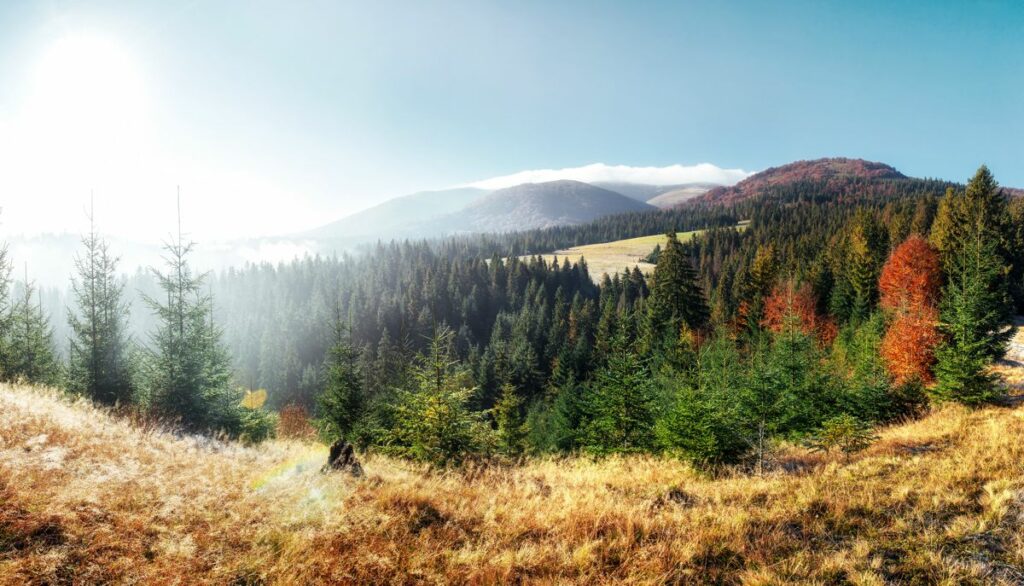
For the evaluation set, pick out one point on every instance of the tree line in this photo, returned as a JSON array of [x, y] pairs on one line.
[[825, 313]]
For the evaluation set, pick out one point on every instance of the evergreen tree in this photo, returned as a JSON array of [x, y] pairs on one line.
[[433, 421], [340, 403], [98, 352], [975, 318], [187, 370], [6, 314], [621, 403], [32, 355], [512, 430], [676, 298]]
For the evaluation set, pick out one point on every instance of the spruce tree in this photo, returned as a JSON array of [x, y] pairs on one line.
[[976, 310], [340, 403], [6, 314], [676, 298], [621, 403], [188, 371], [975, 319], [32, 355], [98, 351]]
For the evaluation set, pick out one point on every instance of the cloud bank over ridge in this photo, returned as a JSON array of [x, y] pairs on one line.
[[600, 172]]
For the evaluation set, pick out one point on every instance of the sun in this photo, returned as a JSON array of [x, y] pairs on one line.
[[86, 90]]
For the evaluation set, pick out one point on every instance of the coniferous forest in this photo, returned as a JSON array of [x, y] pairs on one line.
[[811, 313]]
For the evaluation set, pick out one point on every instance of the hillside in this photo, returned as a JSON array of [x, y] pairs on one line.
[[392, 217], [88, 498], [536, 205], [831, 177], [609, 258]]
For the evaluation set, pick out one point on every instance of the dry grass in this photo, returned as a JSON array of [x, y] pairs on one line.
[[86, 498], [609, 258]]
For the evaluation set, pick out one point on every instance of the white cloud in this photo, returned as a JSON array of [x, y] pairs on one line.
[[600, 172]]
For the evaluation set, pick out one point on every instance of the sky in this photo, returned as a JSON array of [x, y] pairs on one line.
[[274, 117]]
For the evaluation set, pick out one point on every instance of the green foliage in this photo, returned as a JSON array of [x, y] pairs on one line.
[[512, 430], [702, 422], [187, 372], [620, 404], [339, 405], [99, 365], [31, 355], [433, 421], [843, 432], [676, 297], [975, 314], [865, 390]]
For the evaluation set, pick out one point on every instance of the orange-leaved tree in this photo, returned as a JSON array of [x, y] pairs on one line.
[[909, 285], [912, 276], [789, 299]]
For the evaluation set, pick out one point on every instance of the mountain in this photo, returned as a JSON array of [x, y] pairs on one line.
[[833, 176], [638, 191], [682, 193], [536, 205], [661, 196], [394, 216]]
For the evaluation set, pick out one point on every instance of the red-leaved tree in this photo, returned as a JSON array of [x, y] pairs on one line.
[[912, 276], [788, 299], [909, 346], [910, 283]]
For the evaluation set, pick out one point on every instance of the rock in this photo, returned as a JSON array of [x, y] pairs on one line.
[[343, 457]]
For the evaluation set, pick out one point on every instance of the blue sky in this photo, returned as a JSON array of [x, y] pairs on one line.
[[293, 113]]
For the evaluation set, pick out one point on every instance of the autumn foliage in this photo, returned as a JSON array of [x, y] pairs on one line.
[[912, 277], [798, 301], [909, 288], [294, 423]]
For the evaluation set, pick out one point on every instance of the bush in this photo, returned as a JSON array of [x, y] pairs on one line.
[[843, 432]]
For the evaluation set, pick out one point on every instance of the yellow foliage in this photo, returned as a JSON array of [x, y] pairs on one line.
[[254, 399]]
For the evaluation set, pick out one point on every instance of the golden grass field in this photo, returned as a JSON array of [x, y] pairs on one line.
[[609, 258], [89, 498]]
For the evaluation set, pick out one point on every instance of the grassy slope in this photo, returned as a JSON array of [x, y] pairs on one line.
[[88, 498], [612, 257]]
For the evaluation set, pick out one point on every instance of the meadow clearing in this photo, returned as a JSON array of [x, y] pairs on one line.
[[87, 497]]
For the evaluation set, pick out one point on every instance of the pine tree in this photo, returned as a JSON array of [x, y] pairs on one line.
[[976, 310], [676, 298], [98, 351], [32, 355], [340, 402], [975, 319], [621, 403], [512, 430], [6, 314], [187, 370]]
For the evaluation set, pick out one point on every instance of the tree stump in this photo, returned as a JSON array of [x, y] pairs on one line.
[[343, 457]]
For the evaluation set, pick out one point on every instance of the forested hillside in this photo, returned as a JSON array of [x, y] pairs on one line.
[[793, 327]]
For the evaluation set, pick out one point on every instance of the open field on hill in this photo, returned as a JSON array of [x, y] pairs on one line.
[[612, 257], [89, 498]]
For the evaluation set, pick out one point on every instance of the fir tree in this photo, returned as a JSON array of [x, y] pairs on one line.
[[187, 370], [676, 298], [98, 352], [340, 403], [621, 403], [32, 355]]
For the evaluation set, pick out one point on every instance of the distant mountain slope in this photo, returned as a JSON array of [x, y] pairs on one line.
[[536, 205], [638, 191], [835, 176], [682, 193], [395, 215]]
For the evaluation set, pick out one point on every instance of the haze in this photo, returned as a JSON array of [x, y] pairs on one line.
[[277, 117]]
